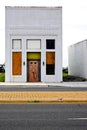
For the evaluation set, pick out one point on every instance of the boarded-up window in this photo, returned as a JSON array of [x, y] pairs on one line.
[[50, 57], [16, 63], [50, 63]]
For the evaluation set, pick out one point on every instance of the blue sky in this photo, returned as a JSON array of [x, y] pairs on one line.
[[74, 21]]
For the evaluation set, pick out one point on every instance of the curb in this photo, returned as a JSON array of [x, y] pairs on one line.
[[44, 102]]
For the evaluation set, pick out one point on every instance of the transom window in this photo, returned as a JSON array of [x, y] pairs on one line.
[[33, 44], [17, 44], [50, 44]]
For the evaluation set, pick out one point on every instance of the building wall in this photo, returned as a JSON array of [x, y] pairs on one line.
[[77, 59], [34, 23]]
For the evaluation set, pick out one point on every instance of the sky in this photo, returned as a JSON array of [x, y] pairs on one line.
[[74, 21]]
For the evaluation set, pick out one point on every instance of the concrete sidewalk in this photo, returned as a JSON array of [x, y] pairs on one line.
[[40, 84]]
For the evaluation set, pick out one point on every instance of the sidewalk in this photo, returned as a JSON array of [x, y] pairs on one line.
[[62, 84], [70, 84]]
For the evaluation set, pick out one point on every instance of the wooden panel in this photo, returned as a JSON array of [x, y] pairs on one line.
[[16, 63], [50, 58]]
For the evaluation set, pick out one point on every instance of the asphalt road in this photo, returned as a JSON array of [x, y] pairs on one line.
[[33, 88], [43, 117]]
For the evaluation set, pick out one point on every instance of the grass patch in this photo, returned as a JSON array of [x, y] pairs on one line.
[[2, 77], [65, 74]]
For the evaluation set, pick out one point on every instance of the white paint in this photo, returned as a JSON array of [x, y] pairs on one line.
[[77, 118], [78, 59], [34, 23]]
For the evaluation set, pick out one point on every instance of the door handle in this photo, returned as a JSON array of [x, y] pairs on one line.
[[23, 62], [43, 63]]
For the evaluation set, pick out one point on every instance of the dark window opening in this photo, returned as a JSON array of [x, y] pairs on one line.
[[50, 44], [50, 69]]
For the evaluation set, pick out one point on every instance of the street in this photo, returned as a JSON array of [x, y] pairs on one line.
[[34, 88], [43, 117]]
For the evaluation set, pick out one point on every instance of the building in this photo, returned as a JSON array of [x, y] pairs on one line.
[[33, 44], [78, 59]]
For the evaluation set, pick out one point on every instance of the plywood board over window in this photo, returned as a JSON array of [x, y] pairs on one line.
[[16, 63], [50, 63], [50, 57]]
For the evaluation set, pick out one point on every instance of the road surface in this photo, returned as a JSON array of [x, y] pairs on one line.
[[43, 117], [33, 88]]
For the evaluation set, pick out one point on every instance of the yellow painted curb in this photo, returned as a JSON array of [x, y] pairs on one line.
[[43, 97]]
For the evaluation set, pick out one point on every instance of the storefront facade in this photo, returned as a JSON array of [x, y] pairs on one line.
[[33, 44]]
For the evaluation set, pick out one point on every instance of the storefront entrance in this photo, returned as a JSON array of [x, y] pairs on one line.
[[33, 67]]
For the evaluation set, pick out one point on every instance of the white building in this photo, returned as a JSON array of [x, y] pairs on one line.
[[78, 59], [33, 44]]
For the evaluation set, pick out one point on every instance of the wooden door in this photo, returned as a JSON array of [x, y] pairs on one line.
[[33, 71]]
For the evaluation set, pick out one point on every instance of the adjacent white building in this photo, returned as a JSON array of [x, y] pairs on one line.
[[78, 59], [33, 44]]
